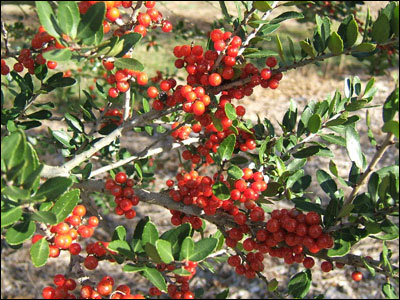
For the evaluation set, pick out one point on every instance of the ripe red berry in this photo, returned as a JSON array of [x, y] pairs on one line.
[[51, 64], [271, 62], [308, 262], [357, 276], [113, 92], [48, 292], [215, 79], [121, 177], [326, 266], [79, 210], [91, 262]]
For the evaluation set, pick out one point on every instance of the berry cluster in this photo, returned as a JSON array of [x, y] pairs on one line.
[[180, 289], [179, 218], [68, 231], [103, 289], [26, 60], [125, 198], [286, 235], [63, 287], [182, 133]]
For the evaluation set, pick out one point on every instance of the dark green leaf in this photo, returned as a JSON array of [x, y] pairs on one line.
[[299, 284], [351, 33], [381, 29], [62, 136], [341, 248], [20, 233], [203, 248], [40, 115], [92, 21], [327, 183], [119, 233], [286, 15], [307, 48], [74, 122], [46, 217], [54, 187], [156, 278], [261, 54], [223, 295], [314, 123], [66, 203]]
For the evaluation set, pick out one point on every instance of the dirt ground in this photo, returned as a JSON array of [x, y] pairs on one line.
[[20, 279]]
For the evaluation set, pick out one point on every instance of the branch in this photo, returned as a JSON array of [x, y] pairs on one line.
[[363, 178], [355, 261], [256, 30], [127, 104], [63, 171], [149, 151]]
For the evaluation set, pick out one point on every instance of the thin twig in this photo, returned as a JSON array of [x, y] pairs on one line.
[[363, 178]]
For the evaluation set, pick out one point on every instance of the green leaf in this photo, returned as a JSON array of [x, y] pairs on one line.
[[225, 11], [305, 205], [187, 249], [351, 33], [364, 47], [66, 204], [335, 43], [176, 237], [307, 48], [40, 253], [261, 54], [16, 194], [391, 126], [58, 54], [40, 115], [128, 63], [68, 17], [225, 149], [334, 139], [314, 123], [327, 183], [388, 290], [341, 248], [286, 16], [47, 18], [353, 146], [129, 41], [150, 233], [369, 267], [164, 250], [235, 172], [181, 272], [279, 47], [395, 20], [230, 111], [300, 284], [13, 148], [46, 217], [10, 216], [54, 187], [146, 105], [381, 29], [62, 136], [20, 233], [92, 21], [391, 106], [74, 123], [203, 248], [221, 191], [133, 268], [122, 247], [119, 233], [263, 6], [155, 277]]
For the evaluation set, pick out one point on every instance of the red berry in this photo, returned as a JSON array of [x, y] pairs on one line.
[[91, 262], [121, 177], [48, 292], [271, 62], [326, 266], [357, 276]]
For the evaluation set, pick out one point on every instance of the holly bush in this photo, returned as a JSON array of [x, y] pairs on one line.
[[233, 172]]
